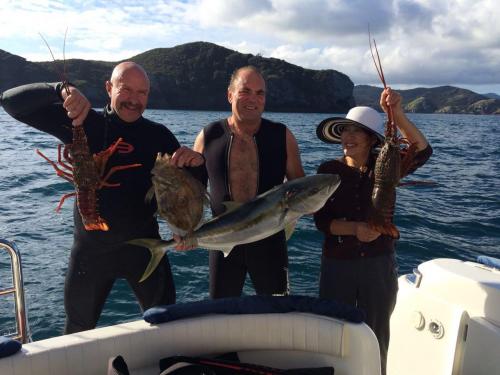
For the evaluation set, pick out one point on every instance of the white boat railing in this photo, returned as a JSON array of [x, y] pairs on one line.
[[17, 289]]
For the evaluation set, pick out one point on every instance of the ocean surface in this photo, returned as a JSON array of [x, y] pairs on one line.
[[457, 218]]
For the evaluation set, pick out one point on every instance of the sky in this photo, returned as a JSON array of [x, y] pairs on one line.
[[422, 43]]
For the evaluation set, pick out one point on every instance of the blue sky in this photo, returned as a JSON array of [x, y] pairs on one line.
[[421, 42]]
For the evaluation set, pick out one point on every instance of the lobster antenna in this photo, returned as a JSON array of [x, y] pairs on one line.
[[382, 77], [63, 74], [64, 62], [378, 64], [47, 44]]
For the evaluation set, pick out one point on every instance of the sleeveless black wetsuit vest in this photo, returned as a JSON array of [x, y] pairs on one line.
[[266, 260], [271, 146]]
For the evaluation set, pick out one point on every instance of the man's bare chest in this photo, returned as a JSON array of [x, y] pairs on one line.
[[243, 168]]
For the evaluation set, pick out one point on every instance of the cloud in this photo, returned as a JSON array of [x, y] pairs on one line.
[[412, 15], [227, 12], [425, 41], [288, 20], [97, 27], [421, 41]]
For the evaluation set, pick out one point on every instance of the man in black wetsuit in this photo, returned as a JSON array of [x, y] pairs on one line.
[[247, 155], [98, 258]]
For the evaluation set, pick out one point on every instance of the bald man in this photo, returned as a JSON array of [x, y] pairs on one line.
[[98, 258]]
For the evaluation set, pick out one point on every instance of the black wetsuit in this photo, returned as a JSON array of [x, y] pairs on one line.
[[97, 257], [266, 260]]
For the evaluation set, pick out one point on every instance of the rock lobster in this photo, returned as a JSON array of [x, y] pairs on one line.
[[85, 171], [77, 165], [393, 162]]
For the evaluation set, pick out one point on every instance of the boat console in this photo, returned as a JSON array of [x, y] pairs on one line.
[[447, 320]]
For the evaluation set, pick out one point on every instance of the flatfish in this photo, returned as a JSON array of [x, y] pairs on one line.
[[180, 197]]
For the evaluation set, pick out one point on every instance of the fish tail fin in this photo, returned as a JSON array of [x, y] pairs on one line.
[[207, 198], [157, 247], [289, 229], [149, 195], [226, 251]]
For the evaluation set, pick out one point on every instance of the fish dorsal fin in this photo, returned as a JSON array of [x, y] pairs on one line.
[[231, 206]]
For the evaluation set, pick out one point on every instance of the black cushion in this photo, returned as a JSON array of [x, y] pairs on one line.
[[8, 346], [254, 305]]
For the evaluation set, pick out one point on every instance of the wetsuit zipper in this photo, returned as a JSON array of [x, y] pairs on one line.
[[228, 166], [258, 166]]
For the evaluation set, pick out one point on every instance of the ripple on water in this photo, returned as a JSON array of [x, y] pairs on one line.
[[457, 218]]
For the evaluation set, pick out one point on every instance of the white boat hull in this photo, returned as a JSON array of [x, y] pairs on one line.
[[447, 321], [291, 340]]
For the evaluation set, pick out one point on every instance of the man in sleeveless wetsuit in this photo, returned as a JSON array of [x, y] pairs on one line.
[[100, 257], [247, 155]]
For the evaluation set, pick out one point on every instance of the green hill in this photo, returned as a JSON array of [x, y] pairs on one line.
[[443, 99], [15, 70], [195, 76]]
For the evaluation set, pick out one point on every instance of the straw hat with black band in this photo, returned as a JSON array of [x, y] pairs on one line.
[[366, 118]]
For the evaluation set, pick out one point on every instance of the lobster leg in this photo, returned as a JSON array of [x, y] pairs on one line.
[[102, 157], [63, 156], [63, 198], [67, 176], [113, 170]]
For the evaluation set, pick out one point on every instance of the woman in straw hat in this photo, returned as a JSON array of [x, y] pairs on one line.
[[358, 265]]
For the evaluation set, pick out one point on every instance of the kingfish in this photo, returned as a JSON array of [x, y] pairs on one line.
[[261, 217]]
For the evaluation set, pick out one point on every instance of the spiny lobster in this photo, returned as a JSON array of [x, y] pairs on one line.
[[392, 163], [85, 171]]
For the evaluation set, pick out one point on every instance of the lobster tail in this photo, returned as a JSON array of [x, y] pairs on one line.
[[87, 205], [388, 229], [99, 224]]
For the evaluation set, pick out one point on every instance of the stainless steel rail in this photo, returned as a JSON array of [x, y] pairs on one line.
[[17, 289]]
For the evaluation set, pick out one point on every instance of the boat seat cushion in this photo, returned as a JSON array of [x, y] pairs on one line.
[[254, 305], [8, 346]]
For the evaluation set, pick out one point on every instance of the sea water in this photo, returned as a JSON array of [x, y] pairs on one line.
[[458, 217]]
